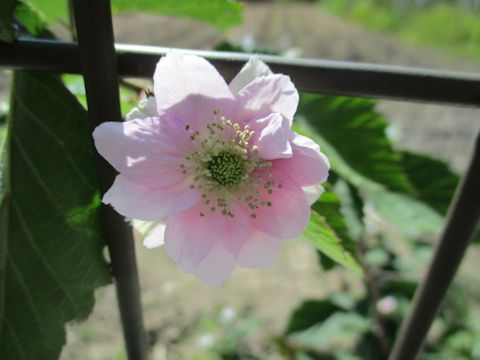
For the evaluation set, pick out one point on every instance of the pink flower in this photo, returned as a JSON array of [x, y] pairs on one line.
[[216, 165]]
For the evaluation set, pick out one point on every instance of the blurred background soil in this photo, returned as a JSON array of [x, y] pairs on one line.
[[182, 314]]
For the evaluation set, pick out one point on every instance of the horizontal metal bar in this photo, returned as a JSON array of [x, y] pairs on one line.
[[317, 76]]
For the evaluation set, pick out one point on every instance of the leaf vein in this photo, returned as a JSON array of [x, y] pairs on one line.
[[49, 132], [40, 255]]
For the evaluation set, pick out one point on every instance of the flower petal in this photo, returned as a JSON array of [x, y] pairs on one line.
[[190, 237], [289, 211], [152, 231], [179, 76], [272, 141], [267, 94], [217, 266], [313, 192], [146, 108], [148, 151], [260, 250], [308, 165], [137, 201], [253, 69]]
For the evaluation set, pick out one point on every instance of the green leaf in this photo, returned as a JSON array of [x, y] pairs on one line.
[[49, 10], [325, 262], [433, 180], [220, 13], [338, 329], [51, 232], [327, 231], [352, 135], [34, 23], [411, 216], [7, 8], [310, 313], [351, 207]]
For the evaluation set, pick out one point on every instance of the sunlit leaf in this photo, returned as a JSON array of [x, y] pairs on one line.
[[50, 10], [29, 17], [51, 233], [220, 13], [352, 135], [327, 231]]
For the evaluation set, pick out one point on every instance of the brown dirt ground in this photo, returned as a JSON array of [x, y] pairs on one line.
[[173, 301]]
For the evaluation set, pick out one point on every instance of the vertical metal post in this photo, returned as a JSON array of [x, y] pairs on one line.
[[99, 66], [462, 221]]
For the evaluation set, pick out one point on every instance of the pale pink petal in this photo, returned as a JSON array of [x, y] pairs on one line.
[[148, 151], [137, 201], [271, 138], [260, 250], [313, 192], [253, 69], [289, 212], [196, 111], [308, 165], [146, 108], [267, 94], [179, 76], [152, 232], [190, 237], [217, 266]]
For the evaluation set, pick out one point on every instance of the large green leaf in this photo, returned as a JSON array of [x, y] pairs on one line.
[[327, 231], [432, 178], [220, 13], [7, 8], [435, 183], [352, 135], [51, 233]]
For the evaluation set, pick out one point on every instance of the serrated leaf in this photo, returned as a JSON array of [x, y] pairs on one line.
[[352, 135], [51, 232], [220, 13], [327, 231], [432, 178], [7, 8]]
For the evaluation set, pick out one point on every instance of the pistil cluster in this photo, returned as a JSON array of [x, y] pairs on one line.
[[226, 167]]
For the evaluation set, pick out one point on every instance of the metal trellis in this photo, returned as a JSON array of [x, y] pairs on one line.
[[100, 61]]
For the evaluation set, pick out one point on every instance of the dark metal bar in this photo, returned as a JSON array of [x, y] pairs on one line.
[[318, 76], [462, 221], [97, 57]]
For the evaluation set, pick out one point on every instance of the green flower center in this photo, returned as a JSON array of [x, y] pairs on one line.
[[226, 169]]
